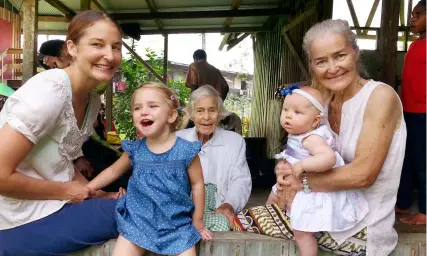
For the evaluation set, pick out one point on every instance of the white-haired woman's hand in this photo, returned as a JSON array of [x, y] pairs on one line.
[[283, 170], [287, 183]]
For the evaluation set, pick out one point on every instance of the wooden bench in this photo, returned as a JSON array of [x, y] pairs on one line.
[[247, 244]]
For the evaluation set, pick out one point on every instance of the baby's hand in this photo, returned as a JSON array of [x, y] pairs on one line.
[[297, 169], [204, 232]]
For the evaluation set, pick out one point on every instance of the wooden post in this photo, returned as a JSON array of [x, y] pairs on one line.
[[353, 16], [371, 15], [387, 42], [109, 106], [165, 59], [85, 5], [408, 20], [325, 8], [30, 10]]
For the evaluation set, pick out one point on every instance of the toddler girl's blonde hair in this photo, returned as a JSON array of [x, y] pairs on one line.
[[171, 98]]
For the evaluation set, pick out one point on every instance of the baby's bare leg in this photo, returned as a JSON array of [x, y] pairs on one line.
[[125, 247], [189, 252], [307, 243]]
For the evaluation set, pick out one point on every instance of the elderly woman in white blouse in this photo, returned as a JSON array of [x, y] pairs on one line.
[[223, 157]]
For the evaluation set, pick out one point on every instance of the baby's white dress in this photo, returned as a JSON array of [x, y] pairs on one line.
[[322, 211]]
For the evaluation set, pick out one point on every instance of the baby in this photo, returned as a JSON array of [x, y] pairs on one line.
[[310, 148]]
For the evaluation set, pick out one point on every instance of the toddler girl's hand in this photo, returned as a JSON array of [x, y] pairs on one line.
[[111, 195], [204, 232], [121, 192]]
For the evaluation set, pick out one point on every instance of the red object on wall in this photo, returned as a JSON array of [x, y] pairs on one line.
[[6, 29]]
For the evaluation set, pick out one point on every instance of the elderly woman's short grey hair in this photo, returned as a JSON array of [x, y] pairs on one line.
[[206, 91]]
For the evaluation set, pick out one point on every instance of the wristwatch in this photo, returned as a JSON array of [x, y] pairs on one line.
[[305, 186]]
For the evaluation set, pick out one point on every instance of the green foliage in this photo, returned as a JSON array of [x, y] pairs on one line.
[[246, 121], [243, 76], [135, 74], [241, 105], [181, 90]]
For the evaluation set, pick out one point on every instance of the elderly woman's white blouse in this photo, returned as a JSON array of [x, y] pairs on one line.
[[42, 111], [224, 164]]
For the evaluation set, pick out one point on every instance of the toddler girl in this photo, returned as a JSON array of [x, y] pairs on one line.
[[157, 213]]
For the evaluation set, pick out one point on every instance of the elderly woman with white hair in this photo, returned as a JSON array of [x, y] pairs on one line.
[[366, 120], [223, 157]]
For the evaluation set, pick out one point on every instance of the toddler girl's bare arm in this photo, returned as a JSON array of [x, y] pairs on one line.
[[112, 173]]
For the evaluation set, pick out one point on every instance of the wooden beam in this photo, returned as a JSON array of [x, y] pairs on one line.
[[179, 30], [325, 9], [236, 41], [143, 62], [153, 9], [204, 30], [199, 14], [402, 13], [84, 5], [61, 7], [371, 15], [408, 20], [224, 41], [30, 10], [96, 5], [353, 15], [299, 19], [387, 42], [365, 28], [165, 59], [297, 57], [52, 32], [234, 6], [375, 37], [54, 18], [409, 14]]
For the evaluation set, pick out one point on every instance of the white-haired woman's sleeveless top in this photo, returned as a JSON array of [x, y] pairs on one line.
[[381, 196]]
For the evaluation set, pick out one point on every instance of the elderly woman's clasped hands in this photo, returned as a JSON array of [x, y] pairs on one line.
[[286, 182]]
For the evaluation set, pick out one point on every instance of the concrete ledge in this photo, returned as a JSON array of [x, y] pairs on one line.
[[247, 244]]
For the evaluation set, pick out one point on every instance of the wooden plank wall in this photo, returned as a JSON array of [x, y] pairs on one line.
[[16, 20], [275, 65]]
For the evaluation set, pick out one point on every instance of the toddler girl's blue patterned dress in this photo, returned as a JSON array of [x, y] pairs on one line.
[[156, 213]]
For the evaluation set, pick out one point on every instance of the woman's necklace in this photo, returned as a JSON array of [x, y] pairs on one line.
[[336, 110]]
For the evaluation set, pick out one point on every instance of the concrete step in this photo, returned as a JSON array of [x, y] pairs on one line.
[[247, 244]]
